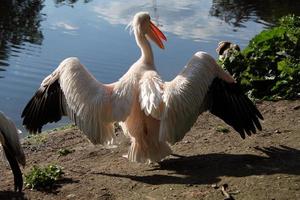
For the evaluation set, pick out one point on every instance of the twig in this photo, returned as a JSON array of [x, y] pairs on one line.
[[224, 187]]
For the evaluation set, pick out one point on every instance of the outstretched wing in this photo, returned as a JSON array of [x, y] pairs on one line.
[[12, 148], [184, 95], [71, 90], [194, 91], [228, 102]]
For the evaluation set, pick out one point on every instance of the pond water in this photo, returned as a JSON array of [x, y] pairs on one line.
[[36, 35]]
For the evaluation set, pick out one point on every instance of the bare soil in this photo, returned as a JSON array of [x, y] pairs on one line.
[[263, 166]]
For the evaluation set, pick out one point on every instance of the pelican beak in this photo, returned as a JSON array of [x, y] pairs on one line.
[[156, 35]]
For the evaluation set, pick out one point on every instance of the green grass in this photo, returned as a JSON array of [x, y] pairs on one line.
[[62, 128], [37, 139]]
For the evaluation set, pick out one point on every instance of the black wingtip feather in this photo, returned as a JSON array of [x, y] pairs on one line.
[[235, 108], [45, 106]]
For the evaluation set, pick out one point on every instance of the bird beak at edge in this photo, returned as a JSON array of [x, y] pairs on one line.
[[156, 35]]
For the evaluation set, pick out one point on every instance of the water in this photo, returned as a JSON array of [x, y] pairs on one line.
[[35, 36]]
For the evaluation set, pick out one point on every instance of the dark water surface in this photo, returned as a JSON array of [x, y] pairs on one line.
[[36, 35]]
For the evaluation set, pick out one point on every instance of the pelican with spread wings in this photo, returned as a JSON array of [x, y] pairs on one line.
[[152, 112]]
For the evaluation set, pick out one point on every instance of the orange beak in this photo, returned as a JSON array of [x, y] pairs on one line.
[[156, 35]]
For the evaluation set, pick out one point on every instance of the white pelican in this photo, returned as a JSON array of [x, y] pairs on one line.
[[152, 112], [9, 138]]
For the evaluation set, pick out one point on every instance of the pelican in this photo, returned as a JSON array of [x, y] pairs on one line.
[[13, 151], [153, 113]]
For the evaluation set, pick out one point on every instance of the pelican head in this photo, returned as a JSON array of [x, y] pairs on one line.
[[143, 26]]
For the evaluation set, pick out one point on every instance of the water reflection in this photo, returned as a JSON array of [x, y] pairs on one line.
[[35, 35], [19, 22], [187, 19], [191, 19], [237, 12], [69, 2]]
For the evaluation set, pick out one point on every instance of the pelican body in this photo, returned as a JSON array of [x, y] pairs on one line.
[[152, 112], [13, 151]]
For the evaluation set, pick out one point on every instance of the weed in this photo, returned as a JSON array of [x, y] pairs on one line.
[[42, 177], [222, 129], [64, 151]]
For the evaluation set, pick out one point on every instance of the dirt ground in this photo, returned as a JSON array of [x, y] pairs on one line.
[[263, 166]]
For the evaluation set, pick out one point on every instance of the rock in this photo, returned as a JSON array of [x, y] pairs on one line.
[[71, 196]]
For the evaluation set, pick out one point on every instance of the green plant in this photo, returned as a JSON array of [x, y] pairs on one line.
[[270, 64], [42, 177], [64, 151], [222, 129]]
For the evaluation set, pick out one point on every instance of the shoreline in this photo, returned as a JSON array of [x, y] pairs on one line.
[[263, 166]]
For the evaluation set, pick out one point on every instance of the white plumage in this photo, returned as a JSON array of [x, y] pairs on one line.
[[184, 95], [152, 112]]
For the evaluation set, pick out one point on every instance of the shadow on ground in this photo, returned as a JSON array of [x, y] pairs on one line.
[[12, 195], [20, 195], [207, 169]]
